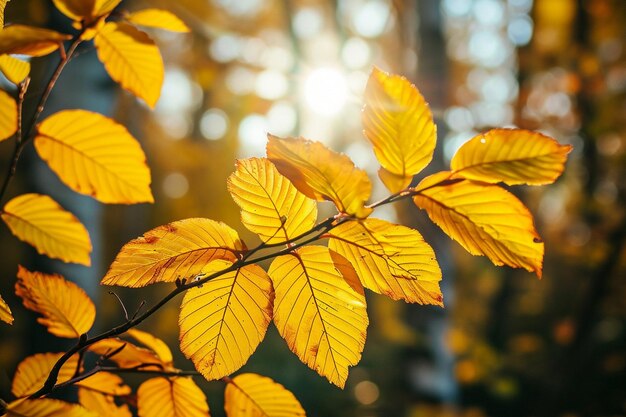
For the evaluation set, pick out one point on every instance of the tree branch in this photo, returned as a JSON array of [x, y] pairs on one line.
[[23, 136]]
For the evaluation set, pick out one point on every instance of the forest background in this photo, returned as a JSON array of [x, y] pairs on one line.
[[507, 343]]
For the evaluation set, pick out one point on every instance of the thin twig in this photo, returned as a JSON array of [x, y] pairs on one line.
[[121, 303], [25, 135]]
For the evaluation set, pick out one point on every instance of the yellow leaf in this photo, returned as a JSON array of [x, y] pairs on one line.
[[512, 156], [154, 344], [39, 221], [5, 312], [320, 310], [270, 205], [67, 311], [104, 383], [102, 7], [157, 18], [32, 372], [484, 219], [95, 155], [125, 354], [14, 69], [390, 259], [321, 174], [46, 407], [3, 4], [252, 395], [102, 405], [8, 116], [181, 249], [85, 9], [174, 397], [132, 59], [28, 40], [223, 322], [399, 123], [75, 9]]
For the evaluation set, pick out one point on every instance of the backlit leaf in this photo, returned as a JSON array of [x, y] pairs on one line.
[[512, 156], [321, 174], [5, 312], [105, 383], [67, 311], [95, 155], [39, 221], [320, 310], [75, 9], [85, 9], [32, 372], [222, 322], [181, 249], [173, 397], [15, 70], [153, 343], [46, 407], [390, 259], [3, 4], [8, 116], [399, 123], [126, 354], [102, 405], [132, 59], [270, 205], [28, 40], [484, 219], [157, 18], [252, 395]]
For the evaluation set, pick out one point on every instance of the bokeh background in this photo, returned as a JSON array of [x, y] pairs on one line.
[[507, 344]]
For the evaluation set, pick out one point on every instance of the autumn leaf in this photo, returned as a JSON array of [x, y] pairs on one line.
[[85, 9], [8, 116], [32, 372], [153, 343], [132, 59], [125, 354], [173, 397], [223, 322], [270, 205], [28, 40], [46, 407], [3, 5], [252, 395], [75, 9], [96, 156], [5, 312], [104, 383], [157, 18], [390, 259], [67, 311], [320, 310], [485, 219], [399, 123], [512, 156], [15, 70], [321, 174], [102, 7], [102, 405], [39, 221], [181, 249]]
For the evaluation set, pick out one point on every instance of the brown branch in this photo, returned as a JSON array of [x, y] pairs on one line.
[[23, 136]]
